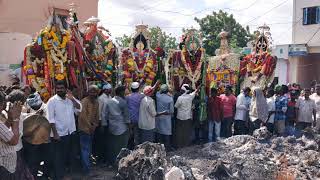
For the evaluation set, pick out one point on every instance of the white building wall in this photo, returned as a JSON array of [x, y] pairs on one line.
[[281, 71], [281, 51], [11, 53], [301, 34]]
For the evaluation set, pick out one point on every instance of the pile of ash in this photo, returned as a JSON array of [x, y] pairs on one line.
[[260, 156]]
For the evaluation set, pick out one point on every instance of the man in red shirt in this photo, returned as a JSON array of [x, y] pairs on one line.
[[229, 105], [215, 114]]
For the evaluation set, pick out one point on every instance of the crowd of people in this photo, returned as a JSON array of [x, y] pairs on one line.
[[96, 128]]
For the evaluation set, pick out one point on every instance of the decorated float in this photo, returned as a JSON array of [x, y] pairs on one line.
[[223, 69], [258, 68], [184, 66], [101, 52], [57, 53], [49, 58], [139, 62], [188, 66]]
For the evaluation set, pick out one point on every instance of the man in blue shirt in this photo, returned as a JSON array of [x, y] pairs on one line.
[[163, 122], [133, 101], [115, 115], [281, 104]]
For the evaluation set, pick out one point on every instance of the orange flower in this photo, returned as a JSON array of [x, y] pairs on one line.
[[59, 77]]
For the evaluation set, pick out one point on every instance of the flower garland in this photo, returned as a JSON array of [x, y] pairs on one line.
[[46, 59], [101, 52], [146, 73], [56, 51], [34, 75], [193, 76], [256, 69], [50, 38]]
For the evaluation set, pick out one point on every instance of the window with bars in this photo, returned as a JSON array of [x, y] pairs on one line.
[[311, 15]]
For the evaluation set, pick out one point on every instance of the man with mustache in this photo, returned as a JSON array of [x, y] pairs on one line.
[[61, 110], [88, 121]]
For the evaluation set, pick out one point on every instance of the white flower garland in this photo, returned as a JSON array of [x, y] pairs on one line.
[[192, 76]]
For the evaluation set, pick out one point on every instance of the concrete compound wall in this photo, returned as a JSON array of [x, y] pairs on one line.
[[304, 69]]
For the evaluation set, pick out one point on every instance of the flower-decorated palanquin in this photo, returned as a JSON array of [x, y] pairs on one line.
[[223, 68], [48, 57], [101, 52], [56, 54], [184, 66], [257, 68], [139, 62]]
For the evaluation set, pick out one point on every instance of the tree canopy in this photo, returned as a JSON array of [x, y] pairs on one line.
[[166, 40], [123, 41], [212, 25]]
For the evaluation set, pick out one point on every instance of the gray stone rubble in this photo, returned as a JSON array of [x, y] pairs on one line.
[[239, 157]]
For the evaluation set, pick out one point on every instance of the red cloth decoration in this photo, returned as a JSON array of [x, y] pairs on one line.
[[47, 76]]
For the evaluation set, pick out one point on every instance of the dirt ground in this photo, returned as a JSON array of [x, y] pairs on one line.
[[97, 173]]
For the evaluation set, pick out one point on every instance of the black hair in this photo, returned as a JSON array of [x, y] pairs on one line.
[[16, 95], [228, 87], [134, 90], [119, 90], [270, 91], [246, 89], [61, 83], [293, 92], [2, 97], [214, 90], [16, 83], [165, 92], [33, 90], [285, 89], [307, 89]]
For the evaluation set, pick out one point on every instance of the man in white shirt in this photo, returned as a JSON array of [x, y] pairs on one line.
[[316, 98], [147, 115], [99, 142], [22, 170], [104, 97], [305, 108], [271, 100], [242, 111], [184, 116], [61, 109]]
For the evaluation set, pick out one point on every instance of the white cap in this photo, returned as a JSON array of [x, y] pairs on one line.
[[106, 87], [135, 85]]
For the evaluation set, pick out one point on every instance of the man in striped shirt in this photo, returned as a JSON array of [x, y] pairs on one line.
[[8, 138]]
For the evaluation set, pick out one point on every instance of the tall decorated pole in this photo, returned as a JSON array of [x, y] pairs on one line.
[[203, 106], [160, 54]]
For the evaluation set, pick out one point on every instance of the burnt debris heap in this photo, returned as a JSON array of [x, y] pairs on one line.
[[260, 156]]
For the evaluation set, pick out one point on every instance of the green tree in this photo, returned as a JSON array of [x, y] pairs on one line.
[[123, 41], [159, 37], [212, 25]]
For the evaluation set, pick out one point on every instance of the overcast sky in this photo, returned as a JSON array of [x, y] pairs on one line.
[[121, 16]]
